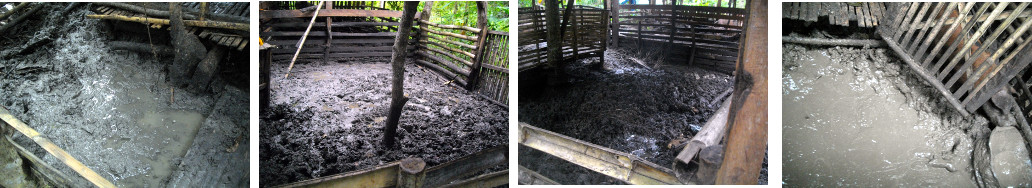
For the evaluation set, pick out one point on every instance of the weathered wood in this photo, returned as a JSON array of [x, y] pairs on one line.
[[478, 60], [378, 176], [449, 48], [329, 34], [444, 174], [552, 35], [710, 135], [166, 14], [447, 74], [619, 165], [20, 18], [412, 173], [161, 50], [450, 34], [14, 10], [268, 14], [467, 28], [192, 23], [398, 97], [54, 150], [207, 69], [747, 139], [449, 64], [529, 177], [834, 42]]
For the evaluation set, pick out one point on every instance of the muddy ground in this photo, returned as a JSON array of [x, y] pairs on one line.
[[115, 110], [861, 117], [627, 105], [327, 118]]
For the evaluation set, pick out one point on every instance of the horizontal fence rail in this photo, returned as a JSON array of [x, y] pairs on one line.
[[411, 173], [967, 51], [704, 36]]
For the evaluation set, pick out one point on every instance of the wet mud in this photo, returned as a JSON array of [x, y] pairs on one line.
[[328, 118], [113, 110], [861, 117], [625, 104]]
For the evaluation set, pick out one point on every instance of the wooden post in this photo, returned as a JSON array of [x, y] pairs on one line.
[[478, 60], [329, 34], [552, 37], [576, 34], [424, 34], [204, 11], [616, 23], [398, 97], [747, 140], [566, 20], [412, 171]]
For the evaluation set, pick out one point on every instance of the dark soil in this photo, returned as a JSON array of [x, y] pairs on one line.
[[328, 118], [625, 106]]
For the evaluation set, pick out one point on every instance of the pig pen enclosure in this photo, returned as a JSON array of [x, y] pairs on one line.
[[613, 92], [326, 94], [911, 94], [97, 94]]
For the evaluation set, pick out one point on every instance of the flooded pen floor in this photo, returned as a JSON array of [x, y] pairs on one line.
[[115, 110], [859, 117]]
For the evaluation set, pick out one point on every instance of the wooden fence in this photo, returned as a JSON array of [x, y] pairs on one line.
[[986, 41], [364, 30], [703, 36], [360, 31], [585, 35]]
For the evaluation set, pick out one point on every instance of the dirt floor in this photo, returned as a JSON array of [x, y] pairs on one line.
[[861, 117], [628, 105], [115, 110], [327, 118]]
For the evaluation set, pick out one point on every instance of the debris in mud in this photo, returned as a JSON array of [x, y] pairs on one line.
[[627, 107], [112, 109], [327, 118]]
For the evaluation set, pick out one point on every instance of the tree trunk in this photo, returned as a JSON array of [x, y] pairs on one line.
[[552, 28], [474, 71], [398, 98], [189, 50]]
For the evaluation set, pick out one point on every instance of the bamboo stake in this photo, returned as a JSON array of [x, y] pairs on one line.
[[303, 37], [61, 155], [13, 10], [192, 23]]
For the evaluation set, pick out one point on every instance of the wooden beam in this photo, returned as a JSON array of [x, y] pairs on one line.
[[301, 43], [615, 164], [453, 170], [267, 14], [710, 135], [53, 149], [398, 98], [747, 141], [192, 23], [478, 60]]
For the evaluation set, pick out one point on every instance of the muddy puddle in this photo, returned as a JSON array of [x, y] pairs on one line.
[[115, 111], [858, 117]]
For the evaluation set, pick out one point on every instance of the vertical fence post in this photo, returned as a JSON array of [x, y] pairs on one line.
[[329, 34], [478, 60], [616, 23], [411, 174], [578, 14], [424, 34]]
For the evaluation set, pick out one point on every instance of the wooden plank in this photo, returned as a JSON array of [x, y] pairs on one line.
[[266, 14], [843, 19], [54, 150], [812, 9], [860, 19]]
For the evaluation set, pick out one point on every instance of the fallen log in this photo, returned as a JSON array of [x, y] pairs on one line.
[[192, 23], [206, 70], [710, 135], [161, 50], [188, 48]]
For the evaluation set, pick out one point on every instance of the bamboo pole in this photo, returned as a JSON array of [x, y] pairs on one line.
[[59, 153], [13, 10], [20, 18], [301, 43], [478, 60], [192, 23], [467, 28]]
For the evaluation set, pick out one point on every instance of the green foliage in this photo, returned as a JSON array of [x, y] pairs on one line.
[[464, 13]]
